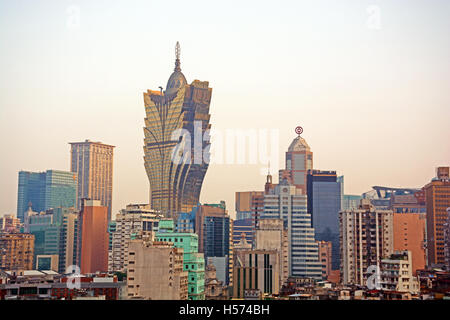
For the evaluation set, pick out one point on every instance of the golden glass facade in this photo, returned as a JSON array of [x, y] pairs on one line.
[[183, 108]]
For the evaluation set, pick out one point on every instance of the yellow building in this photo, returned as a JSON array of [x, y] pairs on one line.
[[16, 251]]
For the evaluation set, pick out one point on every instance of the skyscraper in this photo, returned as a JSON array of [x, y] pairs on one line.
[[324, 203], [94, 237], [270, 234], [243, 227], [299, 159], [437, 194], [244, 204], [93, 162], [46, 190], [409, 235], [366, 236], [285, 202], [55, 234], [134, 221], [176, 142]]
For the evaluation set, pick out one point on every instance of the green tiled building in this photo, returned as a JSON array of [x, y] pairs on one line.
[[193, 262]]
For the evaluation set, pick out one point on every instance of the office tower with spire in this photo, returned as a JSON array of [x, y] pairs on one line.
[[288, 201], [299, 159], [93, 162], [176, 142]]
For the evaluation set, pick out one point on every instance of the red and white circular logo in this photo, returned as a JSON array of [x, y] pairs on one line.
[[299, 130]]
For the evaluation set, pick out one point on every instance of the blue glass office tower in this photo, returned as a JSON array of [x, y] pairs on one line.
[[324, 190], [216, 236], [243, 227], [46, 190]]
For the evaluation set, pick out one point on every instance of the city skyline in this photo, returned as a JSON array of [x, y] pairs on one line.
[[400, 92]]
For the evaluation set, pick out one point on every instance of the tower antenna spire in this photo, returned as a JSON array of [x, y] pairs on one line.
[[177, 57]]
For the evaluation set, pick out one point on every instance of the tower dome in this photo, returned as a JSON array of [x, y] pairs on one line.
[[177, 79], [299, 144]]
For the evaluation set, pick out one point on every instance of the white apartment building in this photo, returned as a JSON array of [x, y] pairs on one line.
[[135, 220], [286, 202], [366, 236]]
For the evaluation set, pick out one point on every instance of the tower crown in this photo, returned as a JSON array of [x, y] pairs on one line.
[[177, 79], [299, 144]]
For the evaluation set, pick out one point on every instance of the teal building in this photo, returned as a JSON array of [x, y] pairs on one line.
[[55, 233], [193, 261], [46, 190]]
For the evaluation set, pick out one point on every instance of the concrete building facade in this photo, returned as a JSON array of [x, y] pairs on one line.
[[397, 273], [366, 236], [284, 202], [155, 271], [133, 221], [437, 194], [93, 164]]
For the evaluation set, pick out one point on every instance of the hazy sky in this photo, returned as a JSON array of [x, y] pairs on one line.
[[368, 80]]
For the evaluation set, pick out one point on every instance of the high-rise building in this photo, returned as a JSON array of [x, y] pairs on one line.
[[214, 228], [193, 261], [447, 241], [93, 162], [350, 201], [16, 251], [270, 234], [94, 237], [286, 202], [325, 257], [176, 143], [299, 159], [243, 204], [9, 223], [324, 203], [366, 236], [156, 271], [46, 190], [256, 270], [186, 221], [437, 194], [55, 232], [133, 221], [212, 224], [410, 235], [243, 227]]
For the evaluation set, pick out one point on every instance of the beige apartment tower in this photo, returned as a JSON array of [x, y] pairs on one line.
[[93, 162]]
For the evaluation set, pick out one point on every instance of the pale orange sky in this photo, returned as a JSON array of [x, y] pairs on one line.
[[373, 101]]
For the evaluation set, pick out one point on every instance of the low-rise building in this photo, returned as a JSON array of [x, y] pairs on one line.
[[155, 271], [397, 274], [256, 270], [16, 251]]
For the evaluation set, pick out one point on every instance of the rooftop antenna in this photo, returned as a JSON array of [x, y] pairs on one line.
[[177, 57]]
